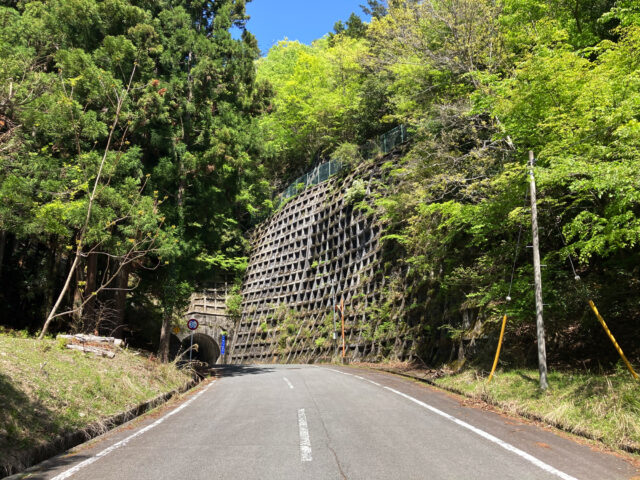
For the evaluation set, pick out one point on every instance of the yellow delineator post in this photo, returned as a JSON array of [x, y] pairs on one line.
[[495, 362], [615, 344]]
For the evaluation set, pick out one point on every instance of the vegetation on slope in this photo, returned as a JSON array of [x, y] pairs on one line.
[[603, 407], [482, 83], [47, 390], [205, 131]]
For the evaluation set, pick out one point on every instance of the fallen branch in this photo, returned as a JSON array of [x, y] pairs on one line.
[[195, 348]]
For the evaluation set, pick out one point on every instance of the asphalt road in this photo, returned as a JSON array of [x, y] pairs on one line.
[[305, 422]]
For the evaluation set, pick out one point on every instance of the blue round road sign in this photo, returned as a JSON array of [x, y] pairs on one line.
[[192, 324]]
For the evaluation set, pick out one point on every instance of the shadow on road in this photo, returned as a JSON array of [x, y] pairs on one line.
[[240, 370]]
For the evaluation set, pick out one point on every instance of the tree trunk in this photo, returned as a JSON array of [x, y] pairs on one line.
[[3, 238], [122, 285], [466, 325], [165, 337], [52, 273], [89, 312], [78, 296]]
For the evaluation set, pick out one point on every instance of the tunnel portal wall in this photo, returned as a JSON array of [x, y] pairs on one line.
[[324, 241]]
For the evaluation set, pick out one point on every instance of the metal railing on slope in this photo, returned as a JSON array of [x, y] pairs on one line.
[[383, 143], [314, 177]]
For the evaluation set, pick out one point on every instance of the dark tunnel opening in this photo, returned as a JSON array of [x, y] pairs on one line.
[[207, 349]]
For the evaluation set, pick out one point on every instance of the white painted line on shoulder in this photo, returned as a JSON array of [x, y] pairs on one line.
[[122, 443], [337, 371], [288, 383], [507, 446], [305, 441], [357, 376]]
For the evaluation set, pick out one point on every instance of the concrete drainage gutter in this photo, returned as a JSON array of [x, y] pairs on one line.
[[15, 467]]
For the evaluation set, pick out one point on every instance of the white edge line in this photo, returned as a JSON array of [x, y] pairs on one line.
[[288, 382], [357, 376], [122, 443], [488, 436], [337, 371], [305, 441]]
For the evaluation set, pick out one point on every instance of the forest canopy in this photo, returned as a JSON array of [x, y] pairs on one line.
[[174, 135], [480, 83], [130, 154]]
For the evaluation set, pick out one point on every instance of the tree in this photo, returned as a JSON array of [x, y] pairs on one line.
[[318, 97], [354, 28], [129, 138], [374, 8], [206, 145]]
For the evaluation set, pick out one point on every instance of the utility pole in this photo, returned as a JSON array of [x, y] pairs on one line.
[[542, 352], [335, 333], [342, 316], [341, 310]]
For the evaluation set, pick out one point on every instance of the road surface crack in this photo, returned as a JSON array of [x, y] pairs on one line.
[[326, 433], [335, 455]]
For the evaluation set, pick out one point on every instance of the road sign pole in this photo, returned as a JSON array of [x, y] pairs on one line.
[[192, 325]]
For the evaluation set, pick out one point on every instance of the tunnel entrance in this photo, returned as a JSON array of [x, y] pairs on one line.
[[207, 351]]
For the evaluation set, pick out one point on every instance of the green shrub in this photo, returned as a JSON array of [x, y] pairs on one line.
[[348, 154], [356, 192], [234, 303]]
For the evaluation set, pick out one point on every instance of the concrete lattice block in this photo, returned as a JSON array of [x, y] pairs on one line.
[[316, 248]]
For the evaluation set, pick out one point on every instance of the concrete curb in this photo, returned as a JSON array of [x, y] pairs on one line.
[[64, 442], [522, 413]]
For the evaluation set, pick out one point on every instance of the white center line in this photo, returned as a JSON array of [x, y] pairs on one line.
[[305, 442], [488, 436], [288, 383], [122, 443]]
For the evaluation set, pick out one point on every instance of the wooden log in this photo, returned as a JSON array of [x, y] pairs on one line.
[[82, 338], [95, 350]]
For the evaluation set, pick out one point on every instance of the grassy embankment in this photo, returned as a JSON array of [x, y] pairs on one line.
[[605, 407], [47, 390]]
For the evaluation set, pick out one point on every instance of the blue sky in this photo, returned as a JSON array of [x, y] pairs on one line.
[[303, 20]]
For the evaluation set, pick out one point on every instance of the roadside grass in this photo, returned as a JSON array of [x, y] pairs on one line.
[[48, 390], [605, 407]]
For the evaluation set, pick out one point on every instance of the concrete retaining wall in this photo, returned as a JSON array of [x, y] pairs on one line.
[[324, 244]]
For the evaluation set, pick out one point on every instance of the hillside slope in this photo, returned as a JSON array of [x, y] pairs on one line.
[[47, 391]]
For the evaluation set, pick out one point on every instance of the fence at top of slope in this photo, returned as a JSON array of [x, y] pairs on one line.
[[383, 143]]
